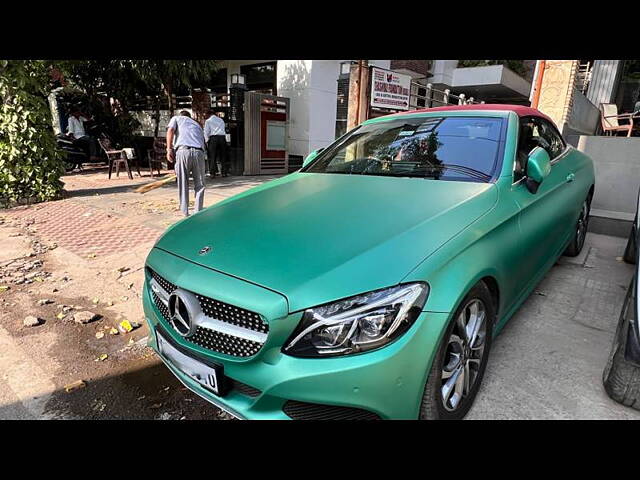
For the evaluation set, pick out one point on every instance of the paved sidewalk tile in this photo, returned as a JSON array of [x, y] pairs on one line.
[[84, 230]]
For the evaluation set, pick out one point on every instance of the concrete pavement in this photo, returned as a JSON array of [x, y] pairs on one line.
[[547, 363]]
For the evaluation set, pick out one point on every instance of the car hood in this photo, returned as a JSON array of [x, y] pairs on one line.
[[319, 237]]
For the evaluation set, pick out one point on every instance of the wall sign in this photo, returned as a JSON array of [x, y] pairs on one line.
[[390, 89]]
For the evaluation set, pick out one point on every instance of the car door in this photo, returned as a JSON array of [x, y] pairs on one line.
[[544, 219]]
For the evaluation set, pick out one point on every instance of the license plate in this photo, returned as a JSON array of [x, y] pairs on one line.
[[206, 375]]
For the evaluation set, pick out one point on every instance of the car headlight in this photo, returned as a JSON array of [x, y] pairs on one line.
[[359, 323]]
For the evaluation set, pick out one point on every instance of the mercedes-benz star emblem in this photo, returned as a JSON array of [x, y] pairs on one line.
[[204, 250], [182, 312]]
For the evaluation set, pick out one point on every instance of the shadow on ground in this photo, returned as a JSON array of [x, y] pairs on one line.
[[145, 393]]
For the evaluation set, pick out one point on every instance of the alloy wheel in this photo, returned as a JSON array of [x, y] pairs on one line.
[[464, 354]]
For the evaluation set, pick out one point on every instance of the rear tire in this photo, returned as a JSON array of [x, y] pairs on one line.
[[621, 378], [577, 242], [440, 399], [630, 250]]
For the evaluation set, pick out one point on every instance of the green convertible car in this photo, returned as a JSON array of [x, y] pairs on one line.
[[370, 283]]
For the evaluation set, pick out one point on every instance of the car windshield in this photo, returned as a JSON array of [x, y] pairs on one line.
[[444, 148]]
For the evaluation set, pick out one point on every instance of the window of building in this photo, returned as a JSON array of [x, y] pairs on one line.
[[276, 136], [629, 86], [261, 77]]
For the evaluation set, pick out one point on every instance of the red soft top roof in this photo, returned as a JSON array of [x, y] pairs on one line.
[[519, 110]]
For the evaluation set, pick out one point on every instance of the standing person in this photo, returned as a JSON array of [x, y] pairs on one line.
[[185, 146], [215, 136]]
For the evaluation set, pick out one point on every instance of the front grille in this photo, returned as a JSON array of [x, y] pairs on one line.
[[164, 310], [314, 411], [223, 343], [167, 286], [233, 315], [213, 339]]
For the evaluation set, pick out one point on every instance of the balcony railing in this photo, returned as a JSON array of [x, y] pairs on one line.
[[583, 76], [433, 97]]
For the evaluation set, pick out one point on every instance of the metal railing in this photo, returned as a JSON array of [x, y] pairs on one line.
[[583, 76], [436, 98]]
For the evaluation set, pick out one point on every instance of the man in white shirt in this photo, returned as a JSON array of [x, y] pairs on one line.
[[215, 136], [81, 140], [185, 146]]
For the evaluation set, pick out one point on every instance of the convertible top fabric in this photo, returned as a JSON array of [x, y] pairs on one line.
[[519, 110]]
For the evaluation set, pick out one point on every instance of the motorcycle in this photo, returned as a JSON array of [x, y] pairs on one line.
[[76, 156]]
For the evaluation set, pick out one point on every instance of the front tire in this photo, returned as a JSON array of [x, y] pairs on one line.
[[459, 364], [577, 242]]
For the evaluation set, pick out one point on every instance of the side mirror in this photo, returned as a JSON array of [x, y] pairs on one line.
[[311, 156], [538, 168]]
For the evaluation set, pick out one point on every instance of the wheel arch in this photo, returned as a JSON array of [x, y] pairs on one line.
[[492, 284]]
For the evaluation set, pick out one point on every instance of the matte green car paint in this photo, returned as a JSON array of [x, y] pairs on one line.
[[287, 241], [307, 239], [538, 165]]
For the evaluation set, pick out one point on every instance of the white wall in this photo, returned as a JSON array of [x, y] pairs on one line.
[[442, 71], [294, 82], [604, 79], [148, 124], [617, 167], [312, 87]]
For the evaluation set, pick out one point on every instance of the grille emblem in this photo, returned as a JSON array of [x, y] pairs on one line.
[[204, 250], [183, 312]]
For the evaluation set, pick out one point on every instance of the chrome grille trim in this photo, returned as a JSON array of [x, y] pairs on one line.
[[244, 337], [162, 294]]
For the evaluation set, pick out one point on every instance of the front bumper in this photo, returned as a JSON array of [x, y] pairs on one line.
[[388, 382]]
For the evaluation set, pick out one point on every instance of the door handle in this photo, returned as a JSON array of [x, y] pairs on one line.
[[571, 177]]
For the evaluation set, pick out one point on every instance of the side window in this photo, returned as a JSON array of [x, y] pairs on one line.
[[548, 138], [526, 143]]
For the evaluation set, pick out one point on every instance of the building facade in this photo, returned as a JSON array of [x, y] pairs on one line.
[[492, 83]]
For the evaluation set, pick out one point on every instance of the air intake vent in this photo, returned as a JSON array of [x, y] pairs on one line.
[[314, 411]]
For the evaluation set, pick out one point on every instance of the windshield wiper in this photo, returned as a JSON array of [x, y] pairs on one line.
[[472, 172]]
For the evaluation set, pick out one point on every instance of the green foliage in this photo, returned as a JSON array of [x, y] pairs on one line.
[[516, 66], [631, 70], [119, 126], [30, 163], [129, 80]]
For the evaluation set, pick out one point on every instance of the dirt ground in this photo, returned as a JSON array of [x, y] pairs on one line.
[[86, 253]]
